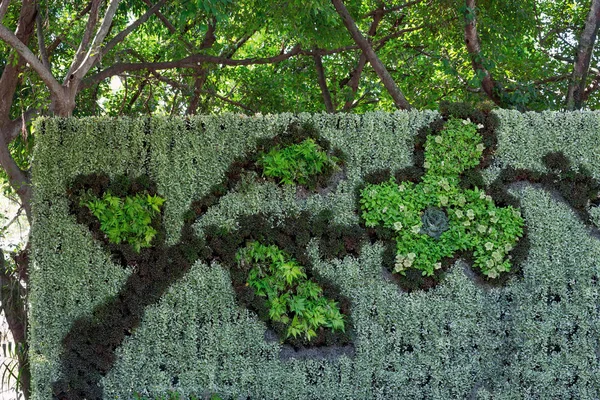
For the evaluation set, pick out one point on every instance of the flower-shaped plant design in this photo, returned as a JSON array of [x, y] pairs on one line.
[[436, 218]]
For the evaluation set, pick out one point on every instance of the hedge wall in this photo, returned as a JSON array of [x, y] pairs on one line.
[[535, 336]]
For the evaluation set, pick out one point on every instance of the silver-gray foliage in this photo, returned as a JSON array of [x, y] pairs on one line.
[[537, 337]]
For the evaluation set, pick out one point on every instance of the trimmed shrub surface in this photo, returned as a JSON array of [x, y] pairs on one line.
[[536, 334]]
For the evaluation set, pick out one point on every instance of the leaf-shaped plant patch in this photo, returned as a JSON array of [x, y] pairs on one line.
[[126, 219], [293, 299]]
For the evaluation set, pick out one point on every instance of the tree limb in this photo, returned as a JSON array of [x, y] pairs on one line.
[[395, 8], [194, 61], [95, 49], [489, 86], [10, 74], [587, 40], [87, 36], [387, 80], [355, 74], [323, 84], [3, 8], [41, 42], [31, 59], [123, 34]]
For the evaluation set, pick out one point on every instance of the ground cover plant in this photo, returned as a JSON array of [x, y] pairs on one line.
[[199, 331]]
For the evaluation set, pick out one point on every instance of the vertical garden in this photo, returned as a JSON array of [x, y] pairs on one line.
[[396, 255]]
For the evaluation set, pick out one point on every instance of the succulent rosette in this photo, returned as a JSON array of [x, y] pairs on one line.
[[436, 218]]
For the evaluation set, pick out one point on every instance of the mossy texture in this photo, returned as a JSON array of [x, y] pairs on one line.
[[538, 336]]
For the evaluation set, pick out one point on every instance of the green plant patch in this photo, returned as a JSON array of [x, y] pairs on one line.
[[297, 164], [293, 299], [436, 218], [126, 219]]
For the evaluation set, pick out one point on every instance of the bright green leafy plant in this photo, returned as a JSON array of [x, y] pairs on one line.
[[293, 299], [126, 219], [297, 163], [436, 218]]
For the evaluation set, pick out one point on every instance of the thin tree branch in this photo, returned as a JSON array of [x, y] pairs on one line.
[[163, 19], [95, 48], [237, 45], [138, 93], [227, 100], [587, 41], [387, 80], [172, 29], [194, 61], [12, 221], [323, 84], [363, 100], [87, 36], [16, 126], [395, 8], [53, 46], [387, 38], [123, 34], [557, 78], [328, 52], [3, 8], [31, 59], [41, 42]]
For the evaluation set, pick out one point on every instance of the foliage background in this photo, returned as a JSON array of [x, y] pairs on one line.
[[538, 337]]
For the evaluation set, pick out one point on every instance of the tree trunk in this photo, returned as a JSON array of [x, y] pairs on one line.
[[18, 179], [387, 80], [62, 104], [354, 78], [12, 292], [587, 40], [199, 82], [14, 307]]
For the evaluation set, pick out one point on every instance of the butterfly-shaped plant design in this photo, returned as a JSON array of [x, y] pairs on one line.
[[436, 218]]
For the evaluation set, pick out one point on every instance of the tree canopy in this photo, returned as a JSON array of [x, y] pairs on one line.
[[178, 57]]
